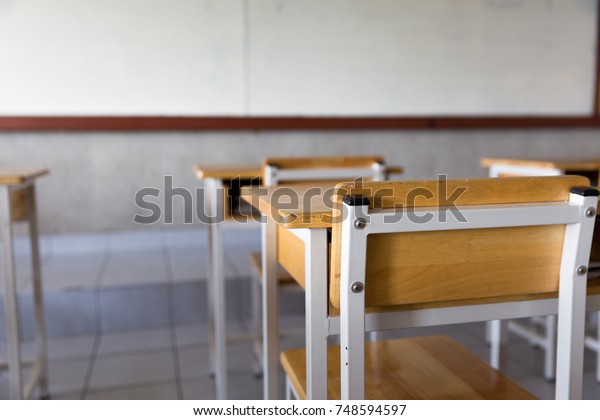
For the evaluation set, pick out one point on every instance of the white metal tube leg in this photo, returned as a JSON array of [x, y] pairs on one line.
[[316, 313], [40, 326], [598, 348], [550, 348], [498, 344], [288, 389], [592, 342], [256, 322], [209, 304], [270, 310], [217, 289], [11, 307]]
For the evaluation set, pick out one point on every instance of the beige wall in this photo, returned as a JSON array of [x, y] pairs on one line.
[[95, 175]]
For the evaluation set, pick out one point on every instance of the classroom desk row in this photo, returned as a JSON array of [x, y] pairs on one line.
[[297, 238], [303, 229], [286, 234], [222, 186]]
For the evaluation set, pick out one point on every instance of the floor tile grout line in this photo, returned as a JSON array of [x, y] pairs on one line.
[[90, 369], [172, 320], [98, 318]]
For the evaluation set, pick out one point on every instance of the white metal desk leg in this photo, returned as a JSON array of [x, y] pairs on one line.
[[288, 389], [598, 344], [270, 311], [11, 307], [255, 292], [40, 326], [217, 289], [316, 313], [209, 304], [550, 348], [598, 348], [496, 332], [592, 342], [498, 344]]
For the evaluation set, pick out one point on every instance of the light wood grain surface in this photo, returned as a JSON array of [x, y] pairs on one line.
[[464, 264], [394, 170], [227, 171], [10, 176], [18, 205], [294, 206], [496, 262], [335, 162], [566, 165], [252, 171], [290, 254], [312, 205], [588, 168], [433, 368], [313, 162]]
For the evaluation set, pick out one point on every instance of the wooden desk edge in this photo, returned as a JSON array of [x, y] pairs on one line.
[[590, 165], [288, 219], [227, 171], [395, 170], [20, 176]]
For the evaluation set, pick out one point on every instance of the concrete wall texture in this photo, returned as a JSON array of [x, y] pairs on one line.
[[94, 176]]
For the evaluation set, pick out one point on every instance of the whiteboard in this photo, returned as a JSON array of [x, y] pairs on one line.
[[422, 57], [121, 57], [297, 57]]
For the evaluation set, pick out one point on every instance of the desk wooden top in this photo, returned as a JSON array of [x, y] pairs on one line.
[[574, 165], [250, 172], [394, 170], [312, 205], [288, 207], [227, 171], [15, 176]]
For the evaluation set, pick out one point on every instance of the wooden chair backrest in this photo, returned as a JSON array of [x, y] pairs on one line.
[[442, 267]]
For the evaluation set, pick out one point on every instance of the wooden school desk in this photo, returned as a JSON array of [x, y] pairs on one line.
[[221, 188], [502, 167], [229, 208], [527, 167], [17, 203], [286, 236], [295, 234]]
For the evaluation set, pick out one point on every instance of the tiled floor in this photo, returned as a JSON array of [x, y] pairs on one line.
[[101, 348]]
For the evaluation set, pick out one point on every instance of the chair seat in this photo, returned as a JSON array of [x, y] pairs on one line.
[[434, 367], [283, 276]]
